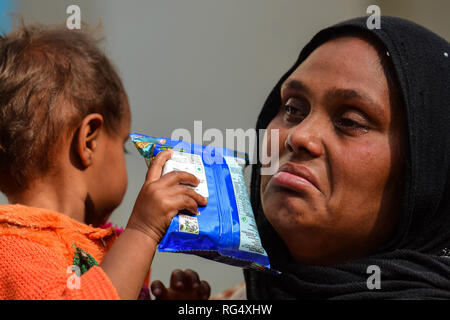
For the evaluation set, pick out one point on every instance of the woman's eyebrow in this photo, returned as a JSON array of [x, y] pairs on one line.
[[296, 85], [334, 93], [353, 94]]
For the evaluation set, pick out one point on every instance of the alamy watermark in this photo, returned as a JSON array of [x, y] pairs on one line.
[[374, 280], [74, 19], [374, 20], [74, 280], [240, 140]]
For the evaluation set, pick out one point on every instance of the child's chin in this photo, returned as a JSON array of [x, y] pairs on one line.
[[97, 219]]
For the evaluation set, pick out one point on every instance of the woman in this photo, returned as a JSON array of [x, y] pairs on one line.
[[360, 205], [364, 151]]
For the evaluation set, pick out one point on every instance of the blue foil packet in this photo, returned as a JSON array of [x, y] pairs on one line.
[[225, 229]]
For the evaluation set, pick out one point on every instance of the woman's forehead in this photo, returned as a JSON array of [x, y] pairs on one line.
[[346, 57], [359, 47], [347, 65]]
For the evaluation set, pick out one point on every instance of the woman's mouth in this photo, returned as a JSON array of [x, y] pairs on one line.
[[295, 177]]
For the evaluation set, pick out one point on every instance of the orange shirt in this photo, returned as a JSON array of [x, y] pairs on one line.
[[40, 249]]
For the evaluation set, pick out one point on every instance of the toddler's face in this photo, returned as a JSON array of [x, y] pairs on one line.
[[107, 191]]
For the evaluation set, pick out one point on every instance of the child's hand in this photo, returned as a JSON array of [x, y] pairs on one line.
[[183, 286], [161, 198]]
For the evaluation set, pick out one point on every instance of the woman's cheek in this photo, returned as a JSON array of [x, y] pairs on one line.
[[267, 144], [269, 157], [364, 170]]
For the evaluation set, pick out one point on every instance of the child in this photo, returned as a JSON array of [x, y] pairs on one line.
[[64, 119]]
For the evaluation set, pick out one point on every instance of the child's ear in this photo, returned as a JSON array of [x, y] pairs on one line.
[[88, 135]]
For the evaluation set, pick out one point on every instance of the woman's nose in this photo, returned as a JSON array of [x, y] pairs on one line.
[[306, 137]]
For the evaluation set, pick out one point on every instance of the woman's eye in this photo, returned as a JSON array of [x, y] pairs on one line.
[[295, 110], [351, 125], [292, 111], [292, 114]]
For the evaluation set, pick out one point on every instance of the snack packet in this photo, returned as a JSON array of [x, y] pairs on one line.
[[225, 229]]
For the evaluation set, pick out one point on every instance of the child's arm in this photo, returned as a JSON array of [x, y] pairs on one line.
[[128, 261]]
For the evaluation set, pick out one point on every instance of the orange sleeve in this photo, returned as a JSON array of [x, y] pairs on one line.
[[31, 271]]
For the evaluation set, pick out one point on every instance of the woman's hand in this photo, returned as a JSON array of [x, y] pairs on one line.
[[184, 285]]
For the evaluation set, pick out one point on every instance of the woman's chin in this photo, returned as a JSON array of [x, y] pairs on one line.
[[288, 207], [290, 216]]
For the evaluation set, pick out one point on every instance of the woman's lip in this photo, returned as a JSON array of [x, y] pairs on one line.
[[295, 177], [292, 181]]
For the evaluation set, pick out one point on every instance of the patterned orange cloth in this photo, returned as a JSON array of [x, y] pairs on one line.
[[37, 250]]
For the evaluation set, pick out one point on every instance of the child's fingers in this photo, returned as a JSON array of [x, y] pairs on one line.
[[155, 170], [206, 290], [180, 189], [192, 279], [184, 202], [179, 177], [177, 280], [159, 290]]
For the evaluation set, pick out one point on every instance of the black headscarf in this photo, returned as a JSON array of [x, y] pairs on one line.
[[415, 262]]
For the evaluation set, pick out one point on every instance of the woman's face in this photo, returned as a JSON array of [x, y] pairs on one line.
[[341, 137]]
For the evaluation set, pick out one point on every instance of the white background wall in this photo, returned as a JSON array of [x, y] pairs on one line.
[[209, 60]]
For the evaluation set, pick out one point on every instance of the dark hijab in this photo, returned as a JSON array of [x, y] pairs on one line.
[[415, 262]]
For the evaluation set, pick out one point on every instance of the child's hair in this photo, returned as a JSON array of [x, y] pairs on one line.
[[50, 79]]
